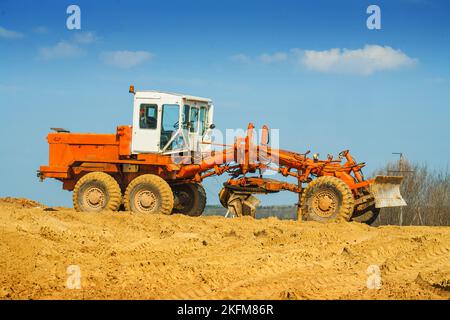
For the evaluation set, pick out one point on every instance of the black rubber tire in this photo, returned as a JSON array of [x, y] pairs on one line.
[[103, 183], [369, 215], [156, 187], [193, 198], [334, 186]]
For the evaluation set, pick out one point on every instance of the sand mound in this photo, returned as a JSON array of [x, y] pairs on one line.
[[20, 202], [125, 256]]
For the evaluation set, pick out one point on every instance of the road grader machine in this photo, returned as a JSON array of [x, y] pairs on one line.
[[157, 165]]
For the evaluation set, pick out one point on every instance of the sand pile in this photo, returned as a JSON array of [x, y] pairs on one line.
[[126, 256]]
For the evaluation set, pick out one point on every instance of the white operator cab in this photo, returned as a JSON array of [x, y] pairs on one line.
[[168, 123]]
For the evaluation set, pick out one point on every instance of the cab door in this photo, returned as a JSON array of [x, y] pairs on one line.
[[194, 116], [146, 126], [200, 118], [206, 116]]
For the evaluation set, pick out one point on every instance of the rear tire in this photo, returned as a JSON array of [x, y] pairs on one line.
[[95, 192], [327, 199], [149, 194], [191, 199]]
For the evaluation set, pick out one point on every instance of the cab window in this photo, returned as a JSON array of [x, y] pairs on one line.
[[185, 116], [193, 120], [202, 120], [169, 120], [148, 114]]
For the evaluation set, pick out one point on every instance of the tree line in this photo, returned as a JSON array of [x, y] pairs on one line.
[[426, 192]]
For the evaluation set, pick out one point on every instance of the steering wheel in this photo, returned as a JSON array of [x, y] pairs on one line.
[[151, 122], [176, 124]]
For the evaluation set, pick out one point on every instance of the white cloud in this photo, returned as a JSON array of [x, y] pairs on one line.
[[365, 61], [62, 49], [272, 58], [85, 38], [10, 34], [125, 59], [241, 58], [65, 48]]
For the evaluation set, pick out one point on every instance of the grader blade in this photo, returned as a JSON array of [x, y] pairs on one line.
[[242, 204], [386, 191]]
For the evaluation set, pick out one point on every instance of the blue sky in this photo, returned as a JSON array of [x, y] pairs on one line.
[[309, 68]]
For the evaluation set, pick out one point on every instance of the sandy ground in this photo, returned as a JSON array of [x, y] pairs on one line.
[[128, 256]]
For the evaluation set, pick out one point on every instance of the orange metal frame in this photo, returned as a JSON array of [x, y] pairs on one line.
[[72, 155]]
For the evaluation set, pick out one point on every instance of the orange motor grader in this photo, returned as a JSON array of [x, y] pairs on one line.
[[157, 165]]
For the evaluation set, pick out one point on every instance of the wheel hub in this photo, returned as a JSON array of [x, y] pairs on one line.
[[184, 197], [325, 203], [146, 200], [95, 197]]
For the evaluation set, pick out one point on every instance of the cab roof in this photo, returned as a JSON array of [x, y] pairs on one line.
[[158, 94]]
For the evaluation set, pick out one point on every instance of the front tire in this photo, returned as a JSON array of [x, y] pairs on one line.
[[327, 199], [190, 199], [149, 194], [95, 192]]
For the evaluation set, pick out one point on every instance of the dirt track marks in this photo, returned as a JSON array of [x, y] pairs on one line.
[[125, 256]]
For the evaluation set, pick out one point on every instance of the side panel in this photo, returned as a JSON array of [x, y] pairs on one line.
[[72, 155], [124, 133], [65, 148]]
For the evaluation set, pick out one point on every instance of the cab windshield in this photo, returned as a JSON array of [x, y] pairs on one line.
[[195, 119], [169, 123]]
